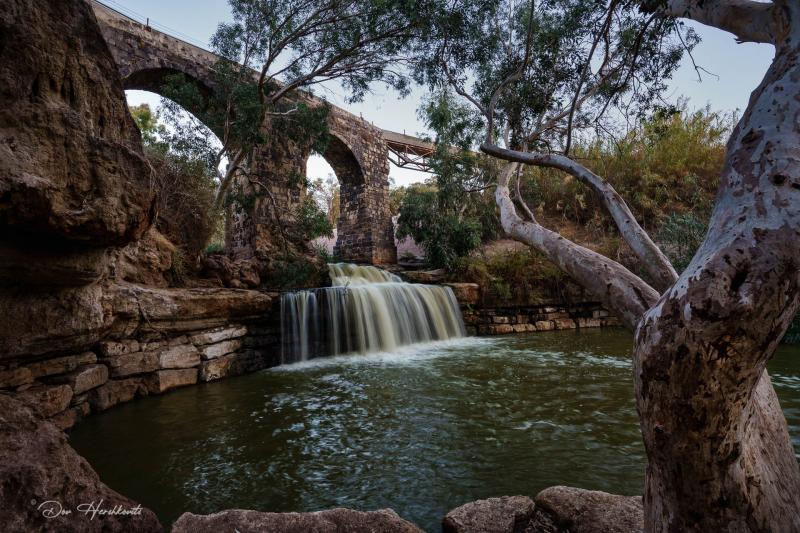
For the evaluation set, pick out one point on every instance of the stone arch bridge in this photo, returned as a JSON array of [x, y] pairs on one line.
[[358, 152]]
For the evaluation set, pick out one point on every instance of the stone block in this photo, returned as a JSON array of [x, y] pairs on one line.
[[500, 319], [84, 378], [65, 419], [83, 409], [218, 335], [115, 391], [222, 348], [501, 329], [599, 313], [588, 322], [544, 325], [215, 368], [180, 356], [163, 380], [113, 348], [15, 378], [61, 365], [47, 400], [564, 323], [520, 328], [466, 293], [78, 399], [132, 363]]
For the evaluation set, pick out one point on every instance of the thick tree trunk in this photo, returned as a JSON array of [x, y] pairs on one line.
[[719, 454]]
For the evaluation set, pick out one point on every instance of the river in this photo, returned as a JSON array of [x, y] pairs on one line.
[[421, 430]]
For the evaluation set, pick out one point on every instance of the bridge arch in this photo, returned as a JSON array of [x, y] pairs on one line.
[[357, 150]]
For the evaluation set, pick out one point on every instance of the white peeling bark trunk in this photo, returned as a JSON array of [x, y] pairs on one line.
[[719, 453]]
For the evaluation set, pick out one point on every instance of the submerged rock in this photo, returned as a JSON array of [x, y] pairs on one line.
[[330, 521], [41, 474]]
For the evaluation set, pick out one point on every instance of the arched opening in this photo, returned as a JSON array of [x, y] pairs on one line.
[[337, 181], [323, 187], [177, 145]]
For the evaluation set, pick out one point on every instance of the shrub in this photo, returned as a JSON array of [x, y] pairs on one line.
[[511, 276], [185, 195], [445, 236], [311, 222], [669, 165], [680, 236]]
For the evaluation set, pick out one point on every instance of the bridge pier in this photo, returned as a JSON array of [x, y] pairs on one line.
[[357, 152]]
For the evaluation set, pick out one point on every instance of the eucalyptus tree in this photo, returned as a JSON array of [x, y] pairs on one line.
[[540, 73], [274, 52]]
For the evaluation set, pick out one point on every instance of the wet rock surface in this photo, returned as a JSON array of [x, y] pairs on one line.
[[330, 521], [39, 471]]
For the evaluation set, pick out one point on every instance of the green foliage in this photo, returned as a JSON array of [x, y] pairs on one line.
[[148, 124], [513, 276], [546, 51], [452, 214], [680, 237], [215, 248], [293, 272], [443, 234], [668, 165], [184, 184], [311, 222], [178, 272], [327, 195]]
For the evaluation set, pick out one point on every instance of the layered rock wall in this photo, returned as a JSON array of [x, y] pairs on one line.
[[152, 340]]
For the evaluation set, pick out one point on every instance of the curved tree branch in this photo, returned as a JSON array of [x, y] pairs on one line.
[[749, 21], [627, 295], [653, 259]]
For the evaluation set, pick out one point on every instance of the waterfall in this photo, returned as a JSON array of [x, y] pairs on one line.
[[366, 310]]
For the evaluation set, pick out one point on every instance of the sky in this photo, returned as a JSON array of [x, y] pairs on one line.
[[736, 70]]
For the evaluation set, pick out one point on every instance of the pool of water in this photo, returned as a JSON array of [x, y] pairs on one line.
[[422, 430]]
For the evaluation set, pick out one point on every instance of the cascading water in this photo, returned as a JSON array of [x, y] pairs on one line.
[[366, 310]]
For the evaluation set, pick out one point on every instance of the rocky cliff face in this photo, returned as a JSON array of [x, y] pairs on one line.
[[46, 486], [72, 176]]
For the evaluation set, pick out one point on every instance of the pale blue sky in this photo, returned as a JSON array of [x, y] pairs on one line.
[[738, 69]]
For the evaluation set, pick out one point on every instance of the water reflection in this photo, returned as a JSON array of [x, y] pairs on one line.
[[422, 431]]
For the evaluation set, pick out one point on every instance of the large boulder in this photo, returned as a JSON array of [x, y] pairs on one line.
[[44, 482], [72, 174], [508, 514], [145, 261], [554, 510], [330, 521], [561, 509]]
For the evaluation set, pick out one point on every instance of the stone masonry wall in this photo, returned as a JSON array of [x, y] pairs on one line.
[[357, 151], [68, 387], [482, 319]]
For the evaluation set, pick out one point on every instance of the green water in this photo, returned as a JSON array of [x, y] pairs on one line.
[[421, 431]]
